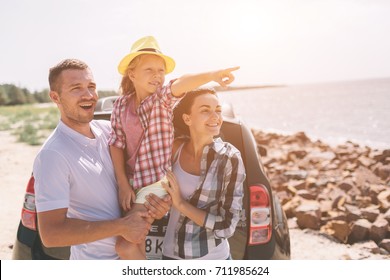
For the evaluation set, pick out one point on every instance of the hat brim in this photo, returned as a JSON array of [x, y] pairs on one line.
[[169, 62]]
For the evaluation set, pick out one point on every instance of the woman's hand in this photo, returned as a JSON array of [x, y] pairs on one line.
[[173, 189], [195, 214]]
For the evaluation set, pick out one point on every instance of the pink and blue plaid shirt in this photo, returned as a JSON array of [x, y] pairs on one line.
[[156, 117]]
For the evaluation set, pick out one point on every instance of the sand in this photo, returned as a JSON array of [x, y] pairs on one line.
[[16, 160]]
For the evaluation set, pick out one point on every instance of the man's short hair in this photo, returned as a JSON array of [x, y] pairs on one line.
[[55, 72]]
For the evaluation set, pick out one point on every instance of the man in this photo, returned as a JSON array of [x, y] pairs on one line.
[[76, 191]]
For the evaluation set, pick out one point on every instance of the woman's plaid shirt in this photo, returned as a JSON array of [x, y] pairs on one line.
[[220, 193], [156, 116]]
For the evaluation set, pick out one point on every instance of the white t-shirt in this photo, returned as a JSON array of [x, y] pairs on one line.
[[75, 172]]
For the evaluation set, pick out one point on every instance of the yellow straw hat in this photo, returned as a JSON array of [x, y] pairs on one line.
[[145, 45]]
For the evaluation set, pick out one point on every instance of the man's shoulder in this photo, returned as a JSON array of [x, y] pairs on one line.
[[102, 124]]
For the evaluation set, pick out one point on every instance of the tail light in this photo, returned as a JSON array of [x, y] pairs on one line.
[[260, 215], [29, 213]]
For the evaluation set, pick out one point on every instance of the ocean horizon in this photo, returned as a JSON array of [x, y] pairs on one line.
[[333, 112]]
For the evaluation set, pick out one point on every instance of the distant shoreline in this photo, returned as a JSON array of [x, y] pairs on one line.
[[232, 88]]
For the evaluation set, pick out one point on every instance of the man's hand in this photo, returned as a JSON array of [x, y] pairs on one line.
[[137, 227], [157, 207]]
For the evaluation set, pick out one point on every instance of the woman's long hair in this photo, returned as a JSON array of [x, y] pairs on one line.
[[184, 107]]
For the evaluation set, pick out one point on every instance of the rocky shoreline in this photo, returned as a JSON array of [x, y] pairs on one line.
[[343, 191]]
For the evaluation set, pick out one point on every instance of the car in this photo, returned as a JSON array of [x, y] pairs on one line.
[[261, 234]]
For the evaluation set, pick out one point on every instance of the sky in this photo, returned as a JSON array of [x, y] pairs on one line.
[[273, 41]]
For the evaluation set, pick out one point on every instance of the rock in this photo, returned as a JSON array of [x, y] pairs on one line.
[[385, 244], [317, 156], [364, 175], [338, 202], [363, 201], [334, 193], [308, 215], [350, 166], [297, 184], [335, 215], [301, 136], [379, 230], [365, 161], [387, 216], [291, 190], [262, 150], [284, 197], [296, 174], [346, 185], [370, 213], [278, 182], [325, 206], [374, 190], [290, 206], [380, 155], [360, 231], [306, 194], [328, 165], [312, 182], [296, 154], [384, 200], [383, 172], [353, 213], [337, 229]]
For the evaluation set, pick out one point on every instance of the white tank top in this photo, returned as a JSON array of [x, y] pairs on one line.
[[188, 184]]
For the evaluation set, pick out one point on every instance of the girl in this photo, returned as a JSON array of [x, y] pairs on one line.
[[142, 135]]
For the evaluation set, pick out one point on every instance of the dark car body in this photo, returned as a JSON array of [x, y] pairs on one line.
[[262, 232]]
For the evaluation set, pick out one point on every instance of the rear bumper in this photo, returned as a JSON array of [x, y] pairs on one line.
[[28, 246], [21, 251]]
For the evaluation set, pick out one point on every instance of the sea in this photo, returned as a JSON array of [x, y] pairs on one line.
[[333, 112]]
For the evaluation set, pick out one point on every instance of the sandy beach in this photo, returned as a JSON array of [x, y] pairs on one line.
[[16, 161]]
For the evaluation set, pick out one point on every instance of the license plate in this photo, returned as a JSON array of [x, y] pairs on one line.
[[153, 247]]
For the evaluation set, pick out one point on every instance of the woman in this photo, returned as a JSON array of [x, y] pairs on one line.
[[205, 183]]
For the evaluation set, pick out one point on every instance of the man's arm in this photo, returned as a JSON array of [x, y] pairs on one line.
[[192, 81], [57, 230]]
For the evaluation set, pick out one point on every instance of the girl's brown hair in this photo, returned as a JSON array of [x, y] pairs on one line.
[[127, 86]]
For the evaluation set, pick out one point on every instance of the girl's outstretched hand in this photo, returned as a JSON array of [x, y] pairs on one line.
[[225, 77]]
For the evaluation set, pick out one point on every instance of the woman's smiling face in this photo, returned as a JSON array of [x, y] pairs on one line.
[[206, 115]]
